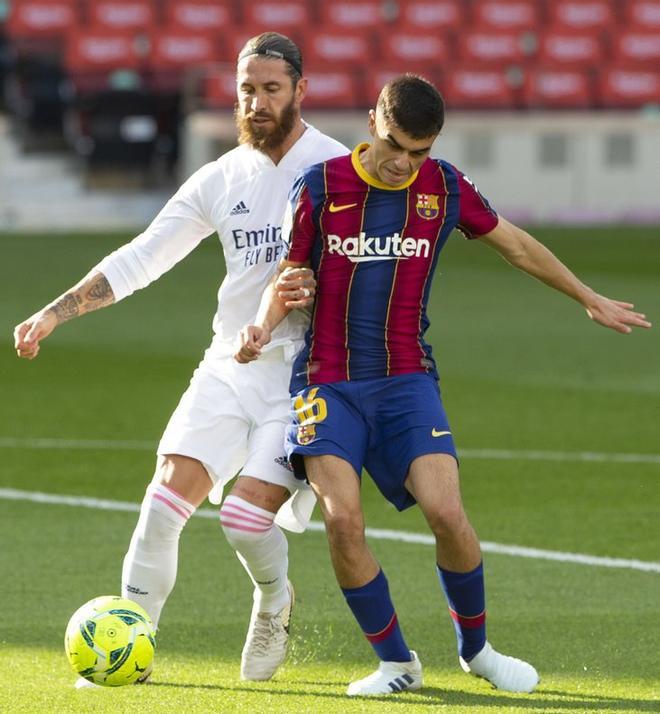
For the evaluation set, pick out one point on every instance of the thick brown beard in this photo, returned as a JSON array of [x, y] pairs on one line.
[[265, 140]]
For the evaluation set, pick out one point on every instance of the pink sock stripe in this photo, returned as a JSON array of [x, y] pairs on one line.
[[179, 496], [231, 504], [240, 526], [257, 518], [227, 510], [172, 505]]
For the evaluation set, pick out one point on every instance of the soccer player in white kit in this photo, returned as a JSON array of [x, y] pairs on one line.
[[232, 418]]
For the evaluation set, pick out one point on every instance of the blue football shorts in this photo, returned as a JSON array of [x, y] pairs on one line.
[[380, 424]]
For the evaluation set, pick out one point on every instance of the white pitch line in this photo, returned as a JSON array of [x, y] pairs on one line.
[[9, 442], [13, 494]]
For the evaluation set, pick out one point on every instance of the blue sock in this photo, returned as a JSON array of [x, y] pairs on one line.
[[373, 609], [467, 606]]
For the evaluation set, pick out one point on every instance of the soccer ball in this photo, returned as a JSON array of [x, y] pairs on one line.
[[110, 641]]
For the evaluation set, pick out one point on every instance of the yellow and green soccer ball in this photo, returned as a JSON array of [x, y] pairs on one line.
[[110, 641]]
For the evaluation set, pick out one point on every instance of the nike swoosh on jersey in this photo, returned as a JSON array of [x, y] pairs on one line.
[[435, 432], [335, 209]]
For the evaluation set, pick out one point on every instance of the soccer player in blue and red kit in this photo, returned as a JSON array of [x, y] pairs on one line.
[[365, 390]]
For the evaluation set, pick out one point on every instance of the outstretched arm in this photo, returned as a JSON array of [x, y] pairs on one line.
[[91, 293], [275, 305], [526, 253]]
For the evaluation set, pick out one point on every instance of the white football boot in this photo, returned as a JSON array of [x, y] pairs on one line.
[[503, 672], [266, 641], [389, 678]]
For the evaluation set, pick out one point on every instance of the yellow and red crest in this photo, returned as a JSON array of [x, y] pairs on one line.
[[306, 433], [427, 206]]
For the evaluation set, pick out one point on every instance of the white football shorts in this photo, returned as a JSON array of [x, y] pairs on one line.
[[232, 418]]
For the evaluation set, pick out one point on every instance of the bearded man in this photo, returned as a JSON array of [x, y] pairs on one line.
[[231, 419]]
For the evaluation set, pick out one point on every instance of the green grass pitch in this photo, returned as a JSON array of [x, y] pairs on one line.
[[522, 369]]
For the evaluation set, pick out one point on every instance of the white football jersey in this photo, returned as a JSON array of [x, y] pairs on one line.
[[242, 196]]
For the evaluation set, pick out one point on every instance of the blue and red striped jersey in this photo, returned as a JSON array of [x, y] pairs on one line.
[[374, 249]]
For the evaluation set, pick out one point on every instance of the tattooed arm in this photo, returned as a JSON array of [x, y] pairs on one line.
[[91, 293]]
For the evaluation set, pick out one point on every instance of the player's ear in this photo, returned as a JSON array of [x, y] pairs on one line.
[[301, 89], [372, 122]]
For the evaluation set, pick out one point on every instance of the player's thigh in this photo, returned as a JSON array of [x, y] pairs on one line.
[[409, 422], [434, 483], [337, 487], [326, 422], [185, 476], [210, 427]]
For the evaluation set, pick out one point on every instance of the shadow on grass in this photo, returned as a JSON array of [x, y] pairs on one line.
[[434, 696]]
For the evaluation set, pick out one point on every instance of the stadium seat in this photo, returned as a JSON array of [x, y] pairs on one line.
[[627, 87], [507, 14], [582, 14], [337, 50], [119, 15], [284, 15], [377, 75], [38, 27], [360, 15], [175, 53], [569, 48], [332, 89], [427, 15], [219, 87], [489, 47], [642, 14], [557, 89], [413, 48], [102, 51], [637, 47], [478, 88], [199, 15]]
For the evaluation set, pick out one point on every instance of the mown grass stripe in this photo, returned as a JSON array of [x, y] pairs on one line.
[[375, 533], [9, 442]]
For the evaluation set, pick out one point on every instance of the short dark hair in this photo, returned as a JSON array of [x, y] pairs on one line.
[[414, 105], [277, 46]]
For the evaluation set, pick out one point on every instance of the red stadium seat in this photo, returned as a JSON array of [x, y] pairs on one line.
[[620, 87], [507, 14], [281, 14], [377, 76], [557, 88], [642, 14], [346, 49], [175, 49], [199, 15], [478, 88], [102, 51], [582, 14], [41, 18], [413, 48], [569, 48], [637, 47], [332, 89], [219, 90], [119, 15], [360, 15], [427, 15], [490, 47]]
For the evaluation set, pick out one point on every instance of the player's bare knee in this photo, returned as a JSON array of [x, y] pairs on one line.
[[448, 520], [345, 530], [184, 475]]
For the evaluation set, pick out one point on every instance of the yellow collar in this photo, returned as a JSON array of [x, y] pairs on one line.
[[368, 178]]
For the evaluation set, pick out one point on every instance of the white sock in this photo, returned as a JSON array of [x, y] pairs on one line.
[[262, 549], [150, 564]]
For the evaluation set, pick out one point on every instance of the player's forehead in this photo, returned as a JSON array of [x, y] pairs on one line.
[[388, 129], [257, 70]]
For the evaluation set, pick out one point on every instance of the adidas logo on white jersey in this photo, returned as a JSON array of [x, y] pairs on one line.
[[239, 209]]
